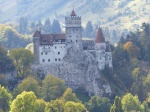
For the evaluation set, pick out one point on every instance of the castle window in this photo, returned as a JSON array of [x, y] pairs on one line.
[[71, 40], [41, 53], [69, 36], [59, 59], [48, 60], [43, 60], [55, 47], [55, 59], [76, 41], [45, 53], [76, 29], [58, 52]]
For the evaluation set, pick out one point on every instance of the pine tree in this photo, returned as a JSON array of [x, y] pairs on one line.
[[88, 29], [56, 26]]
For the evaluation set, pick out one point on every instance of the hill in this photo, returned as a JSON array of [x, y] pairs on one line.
[[120, 15]]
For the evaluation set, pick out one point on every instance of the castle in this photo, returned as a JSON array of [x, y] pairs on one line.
[[52, 48]]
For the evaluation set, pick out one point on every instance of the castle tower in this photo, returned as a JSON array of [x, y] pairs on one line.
[[36, 44], [100, 40], [73, 29], [100, 47]]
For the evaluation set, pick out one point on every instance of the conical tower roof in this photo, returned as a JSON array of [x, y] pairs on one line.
[[99, 37], [37, 34], [73, 13]]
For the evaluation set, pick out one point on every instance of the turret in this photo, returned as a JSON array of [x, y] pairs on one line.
[[36, 43], [100, 40]]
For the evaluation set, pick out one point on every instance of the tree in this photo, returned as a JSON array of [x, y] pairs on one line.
[[28, 84], [131, 103], [74, 107], [10, 38], [39, 24], [23, 24], [52, 88], [47, 26], [69, 96], [117, 106], [3, 80], [88, 29], [97, 104], [5, 99], [6, 64], [132, 50], [56, 27], [55, 106], [24, 102], [22, 59], [41, 105]]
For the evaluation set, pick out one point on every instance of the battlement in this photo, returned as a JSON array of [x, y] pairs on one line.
[[74, 21]]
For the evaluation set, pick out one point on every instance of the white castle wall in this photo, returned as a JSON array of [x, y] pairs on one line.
[[50, 54]]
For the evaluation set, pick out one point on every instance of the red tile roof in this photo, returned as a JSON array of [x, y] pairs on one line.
[[100, 38], [37, 34], [73, 13]]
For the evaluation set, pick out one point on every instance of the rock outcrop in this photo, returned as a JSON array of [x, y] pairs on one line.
[[79, 69]]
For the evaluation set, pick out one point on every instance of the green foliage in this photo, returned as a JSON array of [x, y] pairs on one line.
[[47, 26], [6, 64], [56, 27], [97, 104], [41, 105], [117, 106], [24, 102], [52, 88], [74, 107], [55, 106], [131, 103], [88, 29], [69, 96], [132, 50], [3, 80], [23, 24], [28, 84], [10, 38], [22, 60], [5, 99]]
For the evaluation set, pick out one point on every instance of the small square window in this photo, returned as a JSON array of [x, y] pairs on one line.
[[48, 60], [45, 53], [55, 47], [76, 41], [59, 59], [76, 29], [43, 60], [41, 53], [58, 52], [55, 59]]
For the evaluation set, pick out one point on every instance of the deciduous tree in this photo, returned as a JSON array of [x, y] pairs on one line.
[[52, 88], [24, 102]]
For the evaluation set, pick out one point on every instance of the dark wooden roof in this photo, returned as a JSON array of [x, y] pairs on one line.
[[99, 37], [48, 39]]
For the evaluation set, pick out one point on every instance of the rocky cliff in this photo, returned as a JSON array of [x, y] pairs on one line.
[[79, 69]]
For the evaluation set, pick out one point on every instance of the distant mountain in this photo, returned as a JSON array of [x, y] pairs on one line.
[[121, 15]]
